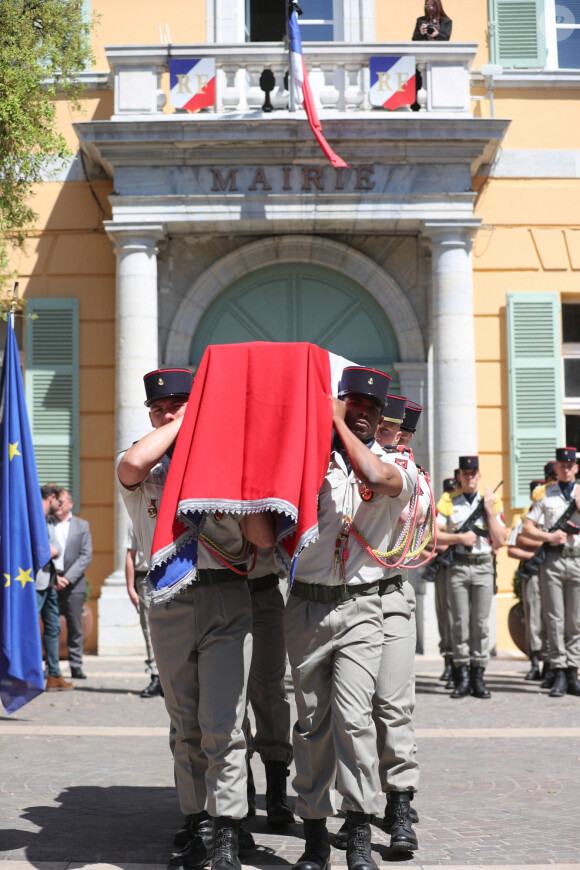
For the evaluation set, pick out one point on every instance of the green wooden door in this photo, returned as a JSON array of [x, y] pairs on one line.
[[301, 302]]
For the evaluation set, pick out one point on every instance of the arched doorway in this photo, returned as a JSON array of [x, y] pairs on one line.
[[301, 302]]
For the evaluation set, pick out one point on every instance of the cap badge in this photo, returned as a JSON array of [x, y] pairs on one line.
[[371, 381], [160, 382]]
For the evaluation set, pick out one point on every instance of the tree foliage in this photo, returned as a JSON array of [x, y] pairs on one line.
[[44, 44]]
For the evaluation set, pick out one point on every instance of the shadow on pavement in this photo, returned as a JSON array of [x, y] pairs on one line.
[[117, 824]]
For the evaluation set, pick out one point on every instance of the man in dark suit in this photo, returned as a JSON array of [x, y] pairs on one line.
[[76, 546]]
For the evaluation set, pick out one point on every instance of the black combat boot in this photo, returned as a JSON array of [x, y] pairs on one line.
[[534, 672], [452, 681], [196, 838], [153, 689], [448, 669], [403, 837], [245, 840], [478, 687], [548, 677], [573, 683], [225, 850], [358, 843], [277, 809], [389, 817], [462, 682], [560, 684], [316, 848]]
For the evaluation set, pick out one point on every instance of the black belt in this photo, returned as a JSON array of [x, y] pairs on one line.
[[210, 577], [465, 559], [327, 594], [259, 584], [568, 552]]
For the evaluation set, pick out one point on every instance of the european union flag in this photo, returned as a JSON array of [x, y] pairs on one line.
[[24, 546]]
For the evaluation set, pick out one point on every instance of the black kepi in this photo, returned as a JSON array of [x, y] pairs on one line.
[[412, 414], [466, 462], [566, 454], [164, 383], [394, 409], [365, 381]]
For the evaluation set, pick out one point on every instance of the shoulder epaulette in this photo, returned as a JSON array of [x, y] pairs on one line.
[[539, 492], [445, 505]]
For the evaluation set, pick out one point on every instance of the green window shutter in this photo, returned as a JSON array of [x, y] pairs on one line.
[[534, 377], [517, 33], [52, 390]]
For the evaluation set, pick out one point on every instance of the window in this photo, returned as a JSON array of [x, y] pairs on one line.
[[534, 378], [52, 390], [564, 36], [535, 34], [571, 371], [266, 21]]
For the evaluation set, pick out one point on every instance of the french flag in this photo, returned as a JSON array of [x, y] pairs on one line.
[[302, 88]]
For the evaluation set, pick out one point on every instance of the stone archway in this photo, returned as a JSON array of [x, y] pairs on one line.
[[294, 249]]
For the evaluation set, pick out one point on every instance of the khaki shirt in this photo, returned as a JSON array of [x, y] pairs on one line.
[[376, 519], [142, 503], [462, 509], [545, 512]]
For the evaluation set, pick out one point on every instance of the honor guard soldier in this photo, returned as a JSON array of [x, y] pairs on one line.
[[202, 639], [471, 577], [560, 573], [334, 623], [520, 546], [442, 607], [394, 699]]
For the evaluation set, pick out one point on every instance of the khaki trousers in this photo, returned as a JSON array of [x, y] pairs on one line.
[[266, 690], [532, 601], [144, 607], [394, 698], [560, 585], [335, 653], [443, 611], [203, 647], [470, 590]]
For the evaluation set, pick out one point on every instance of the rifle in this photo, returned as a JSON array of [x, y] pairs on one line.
[[531, 566], [447, 557]]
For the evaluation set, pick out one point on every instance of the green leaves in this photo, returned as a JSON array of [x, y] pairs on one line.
[[44, 44]]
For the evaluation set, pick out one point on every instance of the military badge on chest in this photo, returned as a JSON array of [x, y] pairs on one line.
[[365, 493], [152, 509]]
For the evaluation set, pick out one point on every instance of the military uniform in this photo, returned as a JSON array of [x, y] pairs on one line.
[[470, 585], [334, 634], [202, 638], [560, 582], [266, 689], [141, 564]]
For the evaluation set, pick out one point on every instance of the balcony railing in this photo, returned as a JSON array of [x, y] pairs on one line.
[[339, 76]]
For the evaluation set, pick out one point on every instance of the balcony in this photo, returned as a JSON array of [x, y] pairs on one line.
[[339, 77]]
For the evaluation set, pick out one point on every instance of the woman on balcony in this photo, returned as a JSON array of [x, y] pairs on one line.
[[434, 25]]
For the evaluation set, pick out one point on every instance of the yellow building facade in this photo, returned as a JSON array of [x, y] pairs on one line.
[[171, 230]]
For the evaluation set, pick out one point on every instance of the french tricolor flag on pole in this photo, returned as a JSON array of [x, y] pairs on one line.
[[302, 87]]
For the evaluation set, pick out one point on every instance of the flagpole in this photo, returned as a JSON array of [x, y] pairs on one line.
[[290, 5]]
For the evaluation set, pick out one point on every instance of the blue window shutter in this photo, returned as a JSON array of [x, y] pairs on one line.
[[535, 394], [52, 390], [517, 33]]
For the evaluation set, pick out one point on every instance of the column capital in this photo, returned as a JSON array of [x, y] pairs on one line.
[[451, 232], [134, 236]]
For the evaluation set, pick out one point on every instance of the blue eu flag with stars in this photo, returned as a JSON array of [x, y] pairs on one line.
[[24, 546]]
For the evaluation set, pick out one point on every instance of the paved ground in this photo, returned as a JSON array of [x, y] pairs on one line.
[[87, 778]]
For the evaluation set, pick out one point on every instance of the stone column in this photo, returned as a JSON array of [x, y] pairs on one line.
[[454, 392], [137, 352]]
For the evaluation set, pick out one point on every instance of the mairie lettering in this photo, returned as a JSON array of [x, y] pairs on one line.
[[304, 179]]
